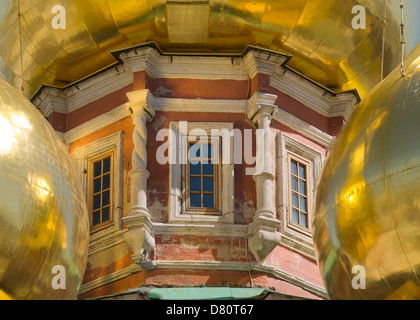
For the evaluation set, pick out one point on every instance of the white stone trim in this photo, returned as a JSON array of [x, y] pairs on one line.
[[97, 87], [200, 105], [208, 230], [184, 67], [313, 96], [259, 61], [95, 124], [109, 278], [208, 265], [80, 157], [178, 130], [51, 100], [196, 67], [109, 240], [303, 128], [292, 238]]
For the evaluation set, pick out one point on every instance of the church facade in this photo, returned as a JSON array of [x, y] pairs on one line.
[[199, 170]]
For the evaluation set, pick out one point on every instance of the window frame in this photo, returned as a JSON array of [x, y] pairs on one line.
[[217, 173], [179, 131], [90, 183], [300, 160], [293, 237], [104, 237]]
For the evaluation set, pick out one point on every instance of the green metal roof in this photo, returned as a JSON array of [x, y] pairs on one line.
[[200, 293]]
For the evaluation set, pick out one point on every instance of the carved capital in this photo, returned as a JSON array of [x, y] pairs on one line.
[[263, 236], [261, 106], [139, 236], [141, 104]]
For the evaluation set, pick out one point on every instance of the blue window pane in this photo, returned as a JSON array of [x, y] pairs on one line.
[[195, 168], [208, 200], [295, 200], [302, 187], [105, 214], [294, 184], [96, 202], [294, 167], [105, 198], [97, 185], [96, 219], [303, 204], [302, 171], [303, 220], [195, 200], [195, 150], [107, 165], [195, 184], [207, 151], [295, 216], [106, 182], [208, 169], [208, 184], [97, 168]]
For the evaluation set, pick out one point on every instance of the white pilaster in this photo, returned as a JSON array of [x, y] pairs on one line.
[[263, 236], [140, 227]]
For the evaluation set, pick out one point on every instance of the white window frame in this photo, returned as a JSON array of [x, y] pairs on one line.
[[81, 158], [294, 237], [179, 132]]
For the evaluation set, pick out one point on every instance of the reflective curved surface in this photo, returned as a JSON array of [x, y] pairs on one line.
[[43, 215], [318, 33], [367, 211]]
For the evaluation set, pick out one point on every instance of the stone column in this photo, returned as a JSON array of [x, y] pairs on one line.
[[263, 236], [139, 236]]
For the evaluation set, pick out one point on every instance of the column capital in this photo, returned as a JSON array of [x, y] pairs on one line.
[[141, 102], [261, 105]]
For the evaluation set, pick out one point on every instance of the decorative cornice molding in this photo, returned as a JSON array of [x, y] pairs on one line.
[[95, 124], [313, 96], [51, 100], [303, 128], [264, 62], [208, 265], [188, 67], [209, 230], [237, 67]]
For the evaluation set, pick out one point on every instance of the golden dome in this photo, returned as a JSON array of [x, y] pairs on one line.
[[318, 33], [43, 215], [367, 211]]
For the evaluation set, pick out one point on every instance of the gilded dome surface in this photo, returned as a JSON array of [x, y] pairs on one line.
[[367, 212], [318, 33], [43, 214]]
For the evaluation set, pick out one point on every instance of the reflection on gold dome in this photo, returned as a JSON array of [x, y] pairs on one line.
[[43, 215], [317, 33], [367, 203]]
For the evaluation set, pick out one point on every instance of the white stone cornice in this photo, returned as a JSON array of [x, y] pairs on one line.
[[195, 229], [208, 265], [264, 62], [313, 96], [141, 101], [51, 100], [260, 103], [187, 67], [303, 128], [142, 59], [198, 105], [97, 87]]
